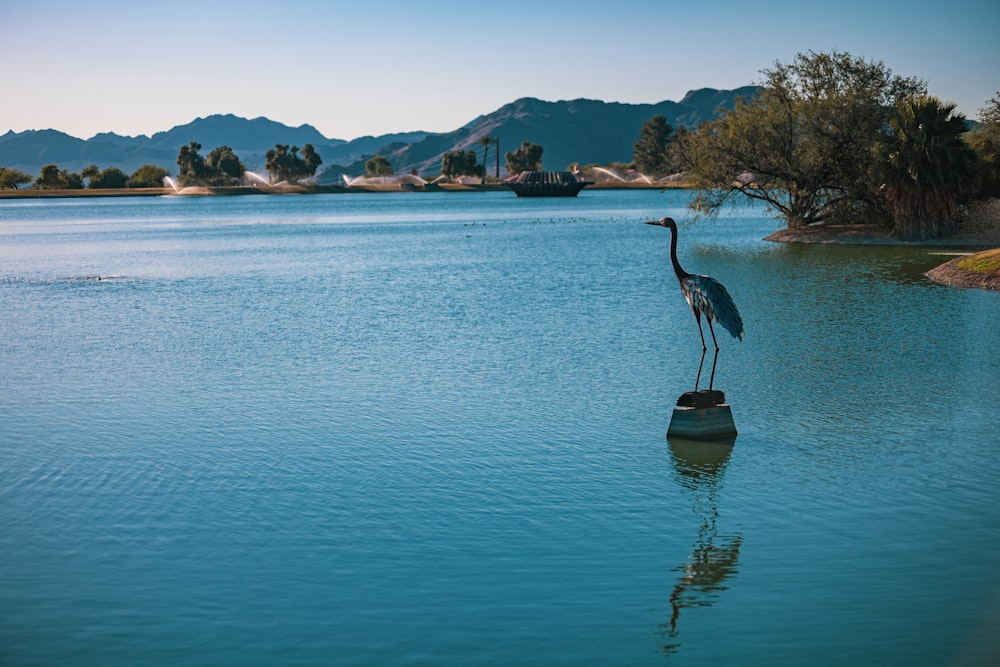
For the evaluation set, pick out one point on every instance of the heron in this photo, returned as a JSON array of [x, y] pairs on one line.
[[706, 296]]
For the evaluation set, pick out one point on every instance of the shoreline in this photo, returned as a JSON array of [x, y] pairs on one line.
[[952, 273], [245, 190], [978, 233], [979, 227], [873, 235], [959, 272]]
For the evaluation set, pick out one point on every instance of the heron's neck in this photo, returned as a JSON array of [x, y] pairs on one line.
[[681, 273]]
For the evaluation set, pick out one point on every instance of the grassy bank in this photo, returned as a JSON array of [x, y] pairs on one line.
[[980, 270]]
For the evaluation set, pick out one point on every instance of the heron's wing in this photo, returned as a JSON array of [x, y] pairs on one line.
[[708, 296]]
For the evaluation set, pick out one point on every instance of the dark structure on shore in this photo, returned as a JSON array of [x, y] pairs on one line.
[[547, 184]]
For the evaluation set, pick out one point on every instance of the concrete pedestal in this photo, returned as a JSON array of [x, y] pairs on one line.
[[702, 415]]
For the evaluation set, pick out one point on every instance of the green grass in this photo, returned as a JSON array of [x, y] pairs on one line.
[[981, 262]]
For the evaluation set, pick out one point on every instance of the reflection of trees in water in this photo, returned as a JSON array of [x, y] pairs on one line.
[[714, 557]]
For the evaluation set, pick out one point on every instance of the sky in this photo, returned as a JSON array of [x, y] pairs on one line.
[[353, 69]]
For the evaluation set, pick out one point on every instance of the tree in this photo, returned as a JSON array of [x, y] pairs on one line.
[[224, 167], [90, 173], [990, 114], [526, 157], [112, 177], [311, 159], [486, 141], [651, 151], [804, 145], [378, 166], [49, 178], [985, 140], [191, 167], [461, 163], [147, 176], [53, 178], [72, 179], [925, 167], [10, 178], [284, 164]]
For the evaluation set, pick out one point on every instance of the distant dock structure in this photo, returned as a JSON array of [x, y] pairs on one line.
[[547, 184]]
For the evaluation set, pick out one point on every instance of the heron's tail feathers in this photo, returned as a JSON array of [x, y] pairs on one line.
[[709, 296]]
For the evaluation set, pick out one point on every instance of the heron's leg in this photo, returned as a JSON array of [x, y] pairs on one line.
[[701, 362], [711, 379]]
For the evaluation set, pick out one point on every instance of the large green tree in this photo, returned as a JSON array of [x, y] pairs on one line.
[[924, 167], [11, 179], [147, 176], [221, 167], [804, 145], [311, 159], [72, 179], [49, 178], [526, 157], [90, 172], [52, 177], [378, 166], [225, 167], [285, 164], [111, 177], [461, 163], [651, 151], [191, 167]]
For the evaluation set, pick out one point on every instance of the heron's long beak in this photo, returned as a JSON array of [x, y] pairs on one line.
[[653, 222]]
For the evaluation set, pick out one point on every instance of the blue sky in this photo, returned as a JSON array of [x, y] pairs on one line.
[[358, 68]]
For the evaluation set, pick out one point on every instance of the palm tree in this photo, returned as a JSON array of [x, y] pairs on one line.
[[924, 166], [486, 141]]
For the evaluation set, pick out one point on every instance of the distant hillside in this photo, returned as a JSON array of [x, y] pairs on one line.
[[238, 133], [250, 139], [584, 131], [30, 151]]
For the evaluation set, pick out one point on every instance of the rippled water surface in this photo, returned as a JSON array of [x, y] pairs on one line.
[[426, 429]]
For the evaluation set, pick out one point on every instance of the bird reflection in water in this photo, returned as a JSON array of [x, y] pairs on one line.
[[714, 557]]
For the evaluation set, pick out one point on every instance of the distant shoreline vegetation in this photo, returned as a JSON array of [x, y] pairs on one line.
[[240, 190]]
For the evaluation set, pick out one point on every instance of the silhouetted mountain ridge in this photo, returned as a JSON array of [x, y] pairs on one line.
[[239, 134], [583, 130]]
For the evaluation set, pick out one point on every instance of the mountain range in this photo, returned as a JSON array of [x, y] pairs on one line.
[[582, 130]]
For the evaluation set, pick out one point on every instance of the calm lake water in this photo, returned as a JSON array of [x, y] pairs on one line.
[[428, 429]]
